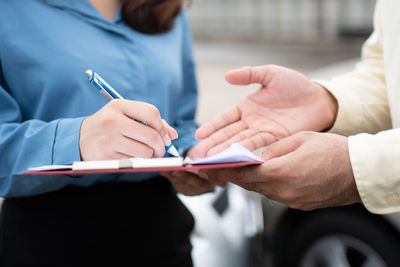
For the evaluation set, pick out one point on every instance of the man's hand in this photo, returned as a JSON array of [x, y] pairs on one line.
[[287, 102], [114, 132], [305, 171], [189, 183]]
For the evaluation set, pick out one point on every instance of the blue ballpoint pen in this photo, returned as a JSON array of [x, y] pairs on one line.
[[108, 92]]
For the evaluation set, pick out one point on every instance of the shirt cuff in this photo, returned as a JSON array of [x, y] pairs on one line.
[[66, 143], [346, 111], [373, 159]]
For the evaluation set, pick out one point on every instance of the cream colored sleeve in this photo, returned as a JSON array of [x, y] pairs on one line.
[[375, 161], [364, 108], [361, 94]]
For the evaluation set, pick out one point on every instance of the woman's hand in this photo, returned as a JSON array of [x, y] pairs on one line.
[[114, 132]]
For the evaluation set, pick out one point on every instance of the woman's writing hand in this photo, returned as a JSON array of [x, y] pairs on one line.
[[116, 132]]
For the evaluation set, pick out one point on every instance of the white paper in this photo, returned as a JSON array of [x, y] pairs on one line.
[[50, 168], [235, 153], [96, 165], [157, 162]]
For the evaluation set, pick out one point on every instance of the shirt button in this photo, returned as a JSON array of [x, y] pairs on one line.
[[393, 199]]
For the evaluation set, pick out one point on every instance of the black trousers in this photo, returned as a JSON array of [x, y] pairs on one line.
[[114, 224]]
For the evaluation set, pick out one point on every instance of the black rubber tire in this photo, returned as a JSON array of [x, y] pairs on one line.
[[351, 221]]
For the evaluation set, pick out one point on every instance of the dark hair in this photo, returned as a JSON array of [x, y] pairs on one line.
[[151, 16]]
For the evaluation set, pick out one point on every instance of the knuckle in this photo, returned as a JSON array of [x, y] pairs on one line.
[[103, 138], [265, 139], [159, 151], [288, 197], [252, 143], [147, 152], [114, 104], [107, 120], [103, 154], [153, 112], [276, 171], [267, 67], [306, 134], [225, 116], [153, 138], [242, 136]]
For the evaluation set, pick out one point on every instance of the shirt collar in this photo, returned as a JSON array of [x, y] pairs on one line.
[[85, 8]]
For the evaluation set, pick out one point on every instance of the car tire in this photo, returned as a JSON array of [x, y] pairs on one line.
[[338, 237]]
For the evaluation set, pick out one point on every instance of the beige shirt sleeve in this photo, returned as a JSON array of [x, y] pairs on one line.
[[364, 108], [375, 161], [361, 94]]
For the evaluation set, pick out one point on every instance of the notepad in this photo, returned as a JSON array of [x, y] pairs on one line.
[[236, 155]]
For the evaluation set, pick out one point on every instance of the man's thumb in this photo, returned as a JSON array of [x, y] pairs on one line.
[[249, 75]]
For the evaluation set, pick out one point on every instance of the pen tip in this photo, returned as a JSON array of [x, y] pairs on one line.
[[172, 150]]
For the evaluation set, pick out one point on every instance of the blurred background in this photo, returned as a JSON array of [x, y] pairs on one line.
[[303, 34], [320, 38]]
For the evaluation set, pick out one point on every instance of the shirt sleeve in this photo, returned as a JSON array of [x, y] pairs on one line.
[[374, 159], [31, 143], [185, 124], [364, 108], [361, 94]]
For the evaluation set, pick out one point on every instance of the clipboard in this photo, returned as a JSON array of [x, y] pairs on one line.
[[233, 157]]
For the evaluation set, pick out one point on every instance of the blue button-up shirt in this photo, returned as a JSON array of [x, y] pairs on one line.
[[45, 48]]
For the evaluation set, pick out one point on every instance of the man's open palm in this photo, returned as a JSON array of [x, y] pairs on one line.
[[286, 103]]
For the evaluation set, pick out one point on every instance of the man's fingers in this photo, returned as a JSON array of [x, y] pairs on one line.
[[247, 138], [188, 183], [282, 147], [219, 138], [237, 138], [226, 118], [185, 178], [247, 174], [258, 141], [249, 75]]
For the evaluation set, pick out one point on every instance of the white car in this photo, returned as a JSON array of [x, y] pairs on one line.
[[228, 227], [335, 237]]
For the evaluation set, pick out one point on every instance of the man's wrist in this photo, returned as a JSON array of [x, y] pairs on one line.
[[329, 107]]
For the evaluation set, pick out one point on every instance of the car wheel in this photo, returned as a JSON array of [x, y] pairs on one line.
[[341, 237]]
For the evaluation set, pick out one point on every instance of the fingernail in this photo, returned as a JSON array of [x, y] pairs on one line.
[[175, 134], [167, 140]]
